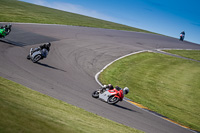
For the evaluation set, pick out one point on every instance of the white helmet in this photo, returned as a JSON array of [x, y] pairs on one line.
[[126, 90]]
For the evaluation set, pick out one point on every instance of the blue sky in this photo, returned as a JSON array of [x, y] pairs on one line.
[[168, 17]]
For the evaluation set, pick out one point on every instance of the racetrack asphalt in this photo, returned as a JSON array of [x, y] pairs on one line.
[[76, 55]]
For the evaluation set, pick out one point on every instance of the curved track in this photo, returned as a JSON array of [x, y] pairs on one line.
[[76, 55]]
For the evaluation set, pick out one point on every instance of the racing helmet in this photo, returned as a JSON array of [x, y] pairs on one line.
[[49, 44], [126, 90]]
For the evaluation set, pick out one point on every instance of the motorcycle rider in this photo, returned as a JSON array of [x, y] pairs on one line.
[[182, 35], [4, 30], [41, 47]]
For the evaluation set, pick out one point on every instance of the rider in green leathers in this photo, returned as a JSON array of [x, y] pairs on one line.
[[5, 30]]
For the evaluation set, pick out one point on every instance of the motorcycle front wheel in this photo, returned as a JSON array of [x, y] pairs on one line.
[[113, 100], [28, 57], [95, 94]]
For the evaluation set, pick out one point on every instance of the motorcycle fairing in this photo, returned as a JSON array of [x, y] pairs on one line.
[[104, 96], [35, 53]]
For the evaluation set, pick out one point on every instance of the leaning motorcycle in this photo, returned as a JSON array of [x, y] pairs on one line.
[[109, 96], [37, 55], [5, 30], [181, 37]]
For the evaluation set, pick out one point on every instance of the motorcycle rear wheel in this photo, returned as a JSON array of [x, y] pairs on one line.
[[95, 94], [113, 100]]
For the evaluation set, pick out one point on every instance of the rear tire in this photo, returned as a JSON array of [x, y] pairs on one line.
[[113, 100], [95, 94]]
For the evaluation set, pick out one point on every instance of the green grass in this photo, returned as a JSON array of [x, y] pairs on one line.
[[17, 11], [193, 54], [28, 111], [165, 84]]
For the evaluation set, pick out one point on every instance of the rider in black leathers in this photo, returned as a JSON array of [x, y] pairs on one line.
[[44, 46], [182, 35]]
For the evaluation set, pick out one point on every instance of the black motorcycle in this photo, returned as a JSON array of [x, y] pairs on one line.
[[181, 37]]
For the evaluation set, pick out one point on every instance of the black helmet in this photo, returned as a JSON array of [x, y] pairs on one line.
[[48, 44]]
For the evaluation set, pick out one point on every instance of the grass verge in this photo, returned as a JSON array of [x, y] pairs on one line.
[[17, 11], [28, 111], [165, 84], [193, 54]]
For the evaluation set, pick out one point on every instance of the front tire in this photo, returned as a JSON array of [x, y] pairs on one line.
[[28, 57], [95, 94], [113, 100]]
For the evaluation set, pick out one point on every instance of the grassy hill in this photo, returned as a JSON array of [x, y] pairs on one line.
[[17, 11], [16, 112]]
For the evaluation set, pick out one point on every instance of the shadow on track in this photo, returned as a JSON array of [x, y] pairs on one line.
[[119, 106], [20, 44], [42, 64]]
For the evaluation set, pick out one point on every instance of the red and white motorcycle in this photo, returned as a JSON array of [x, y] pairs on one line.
[[110, 96]]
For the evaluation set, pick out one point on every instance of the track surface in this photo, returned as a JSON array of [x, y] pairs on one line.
[[76, 55]]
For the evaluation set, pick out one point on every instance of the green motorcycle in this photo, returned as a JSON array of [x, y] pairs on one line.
[[5, 30]]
